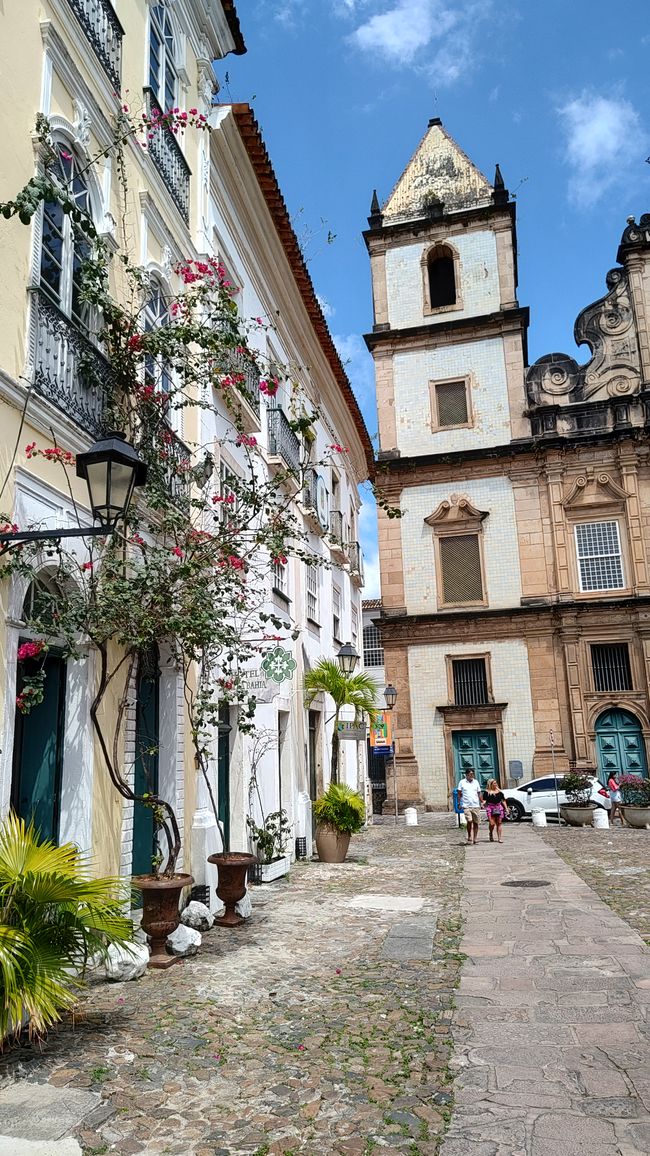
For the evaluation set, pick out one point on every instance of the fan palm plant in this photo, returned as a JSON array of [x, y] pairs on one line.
[[53, 917], [357, 690]]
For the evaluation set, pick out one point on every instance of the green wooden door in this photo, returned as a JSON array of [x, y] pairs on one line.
[[38, 750], [147, 740], [620, 745], [477, 749], [223, 772]]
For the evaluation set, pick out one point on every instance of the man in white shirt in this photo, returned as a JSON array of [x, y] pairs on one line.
[[471, 800]]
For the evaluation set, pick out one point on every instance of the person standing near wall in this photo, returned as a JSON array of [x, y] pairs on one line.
[[471, 798]]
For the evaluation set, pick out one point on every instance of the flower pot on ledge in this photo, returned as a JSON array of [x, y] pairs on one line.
[[160, 914]]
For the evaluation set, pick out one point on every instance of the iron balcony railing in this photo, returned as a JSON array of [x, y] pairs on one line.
[[355, 557], [168, 158], [69, 370], [283, 442], [309, 496], [104, 32], [179, 483], [241, 365]]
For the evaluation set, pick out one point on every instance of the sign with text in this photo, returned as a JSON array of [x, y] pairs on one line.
[[349, 730], [381, 730]]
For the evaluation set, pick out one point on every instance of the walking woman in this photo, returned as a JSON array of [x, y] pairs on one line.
[[616, 799], [495, 808]]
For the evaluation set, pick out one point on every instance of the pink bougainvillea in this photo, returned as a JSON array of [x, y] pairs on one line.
[[30, 650]]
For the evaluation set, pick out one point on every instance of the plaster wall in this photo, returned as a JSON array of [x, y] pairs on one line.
[[478, 287], [429, 689], [483, 363], [499, 535]]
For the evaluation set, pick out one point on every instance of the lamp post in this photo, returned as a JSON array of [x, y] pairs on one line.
[[347, 658], [111, 469], [390, 696]]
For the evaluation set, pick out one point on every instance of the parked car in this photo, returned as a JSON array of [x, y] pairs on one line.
[[540, 795]]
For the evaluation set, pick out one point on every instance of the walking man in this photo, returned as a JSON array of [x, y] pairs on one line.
[[471, 798]]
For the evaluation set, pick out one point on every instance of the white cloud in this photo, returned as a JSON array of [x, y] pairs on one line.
[[605, 142], [438, 36], [328, 310]]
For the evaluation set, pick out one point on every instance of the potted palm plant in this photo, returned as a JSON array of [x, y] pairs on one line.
[[578, 811], [339, 813], [635, 792], [346, 689]]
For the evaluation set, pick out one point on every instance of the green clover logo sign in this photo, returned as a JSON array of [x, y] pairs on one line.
[[279, 665]]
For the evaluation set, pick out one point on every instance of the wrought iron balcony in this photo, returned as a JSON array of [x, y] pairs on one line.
[[179, 484], [240, 364], [337, 529], [283, 442], [309, 498], [69, 370], [168, 158], [104, 32], [355, 558]]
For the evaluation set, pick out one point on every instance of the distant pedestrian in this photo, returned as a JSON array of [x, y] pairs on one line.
[[616, 798], [471, 800], [495, 808]]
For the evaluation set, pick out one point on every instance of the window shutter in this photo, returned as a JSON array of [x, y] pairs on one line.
[[451, 403], [460, 560]]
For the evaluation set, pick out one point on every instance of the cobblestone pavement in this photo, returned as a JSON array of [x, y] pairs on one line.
[[551, 1030], [319, 1027], [616, 863]]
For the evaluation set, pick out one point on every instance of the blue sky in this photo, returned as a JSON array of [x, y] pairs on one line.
[[556, 91]]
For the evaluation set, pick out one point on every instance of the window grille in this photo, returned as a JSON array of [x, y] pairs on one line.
[[451, 403], [312, 593], [470, 681], [599, 556], [611, 666], [373, 651], [460, 562], [336, 613]]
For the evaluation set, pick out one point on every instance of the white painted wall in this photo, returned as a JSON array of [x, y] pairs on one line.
[[428, 679], [484, 362], [479, 280], [500, 551]]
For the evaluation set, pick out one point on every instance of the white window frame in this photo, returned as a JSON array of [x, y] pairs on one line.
[[62, 297], [354, 627], [167, 80], [226, 472], [337, 613], [588, 557], [312, 593], [373, 650], [280, 579]]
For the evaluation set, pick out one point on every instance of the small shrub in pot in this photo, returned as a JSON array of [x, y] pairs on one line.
[[635, 791], [339, 813], [577, 787]]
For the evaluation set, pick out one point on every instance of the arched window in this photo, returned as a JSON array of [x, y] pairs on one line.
[[64, 245], [441, 277], [163, 77]]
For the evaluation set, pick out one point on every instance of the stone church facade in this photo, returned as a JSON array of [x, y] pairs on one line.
[[516, 583]]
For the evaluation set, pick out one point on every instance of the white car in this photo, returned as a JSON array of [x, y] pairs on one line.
[[540, 795]]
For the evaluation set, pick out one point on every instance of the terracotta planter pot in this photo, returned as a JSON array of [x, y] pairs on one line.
[[231, 885], [331, 844], [577, 816], [636, 816], [160, 915]]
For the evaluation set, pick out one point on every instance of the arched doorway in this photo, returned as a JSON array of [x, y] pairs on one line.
[[620, 745]]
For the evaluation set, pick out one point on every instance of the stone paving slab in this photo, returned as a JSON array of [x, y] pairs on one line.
[[570, 1077], [43, 1112], [10, 1146], [292, 1034]]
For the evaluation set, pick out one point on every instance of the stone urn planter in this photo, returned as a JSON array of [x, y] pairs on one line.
[[232, 867], [331, 844], [160, 914], [636, 816], [577, 816]]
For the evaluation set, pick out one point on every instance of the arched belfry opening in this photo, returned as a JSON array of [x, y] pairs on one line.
[[441, 277]]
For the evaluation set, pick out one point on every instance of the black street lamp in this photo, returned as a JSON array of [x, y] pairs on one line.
[[112, 470], [347, 658], [390, 695]]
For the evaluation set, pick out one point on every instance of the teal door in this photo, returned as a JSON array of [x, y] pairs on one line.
[[147, 740], [477, 749], [38, 749], [223, 772], [620, 745]]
